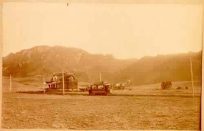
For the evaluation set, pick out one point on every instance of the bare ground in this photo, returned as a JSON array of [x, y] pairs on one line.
[[149, 109]]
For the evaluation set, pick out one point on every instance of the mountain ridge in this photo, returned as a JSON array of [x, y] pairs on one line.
[[44, 60]]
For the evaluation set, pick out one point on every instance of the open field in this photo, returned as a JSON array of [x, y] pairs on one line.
[[142, 107]]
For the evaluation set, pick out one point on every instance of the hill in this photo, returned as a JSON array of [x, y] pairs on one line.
[[44, 60], [163, 67]]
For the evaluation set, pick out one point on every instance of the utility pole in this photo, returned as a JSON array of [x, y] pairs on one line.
[[10, 85], [192, 81], [63, 82], [100, 77], [43, 82]]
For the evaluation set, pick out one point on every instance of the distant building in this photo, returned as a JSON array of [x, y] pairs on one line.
[[56, 81]]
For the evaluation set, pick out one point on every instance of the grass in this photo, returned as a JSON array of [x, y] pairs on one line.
[[143, 107]]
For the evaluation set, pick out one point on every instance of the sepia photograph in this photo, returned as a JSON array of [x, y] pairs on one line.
[[101, 65]]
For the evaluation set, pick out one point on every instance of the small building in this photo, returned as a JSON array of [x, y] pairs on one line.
[[56, 81]]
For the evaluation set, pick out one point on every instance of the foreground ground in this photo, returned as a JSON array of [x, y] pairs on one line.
[[149, 109]]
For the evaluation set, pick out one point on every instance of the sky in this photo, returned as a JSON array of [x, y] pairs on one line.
[[123, 30]]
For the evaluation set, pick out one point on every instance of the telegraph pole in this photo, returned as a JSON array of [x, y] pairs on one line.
[[63, 82], [192, 81], [100, 77], [10, 85], [43, 82]]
